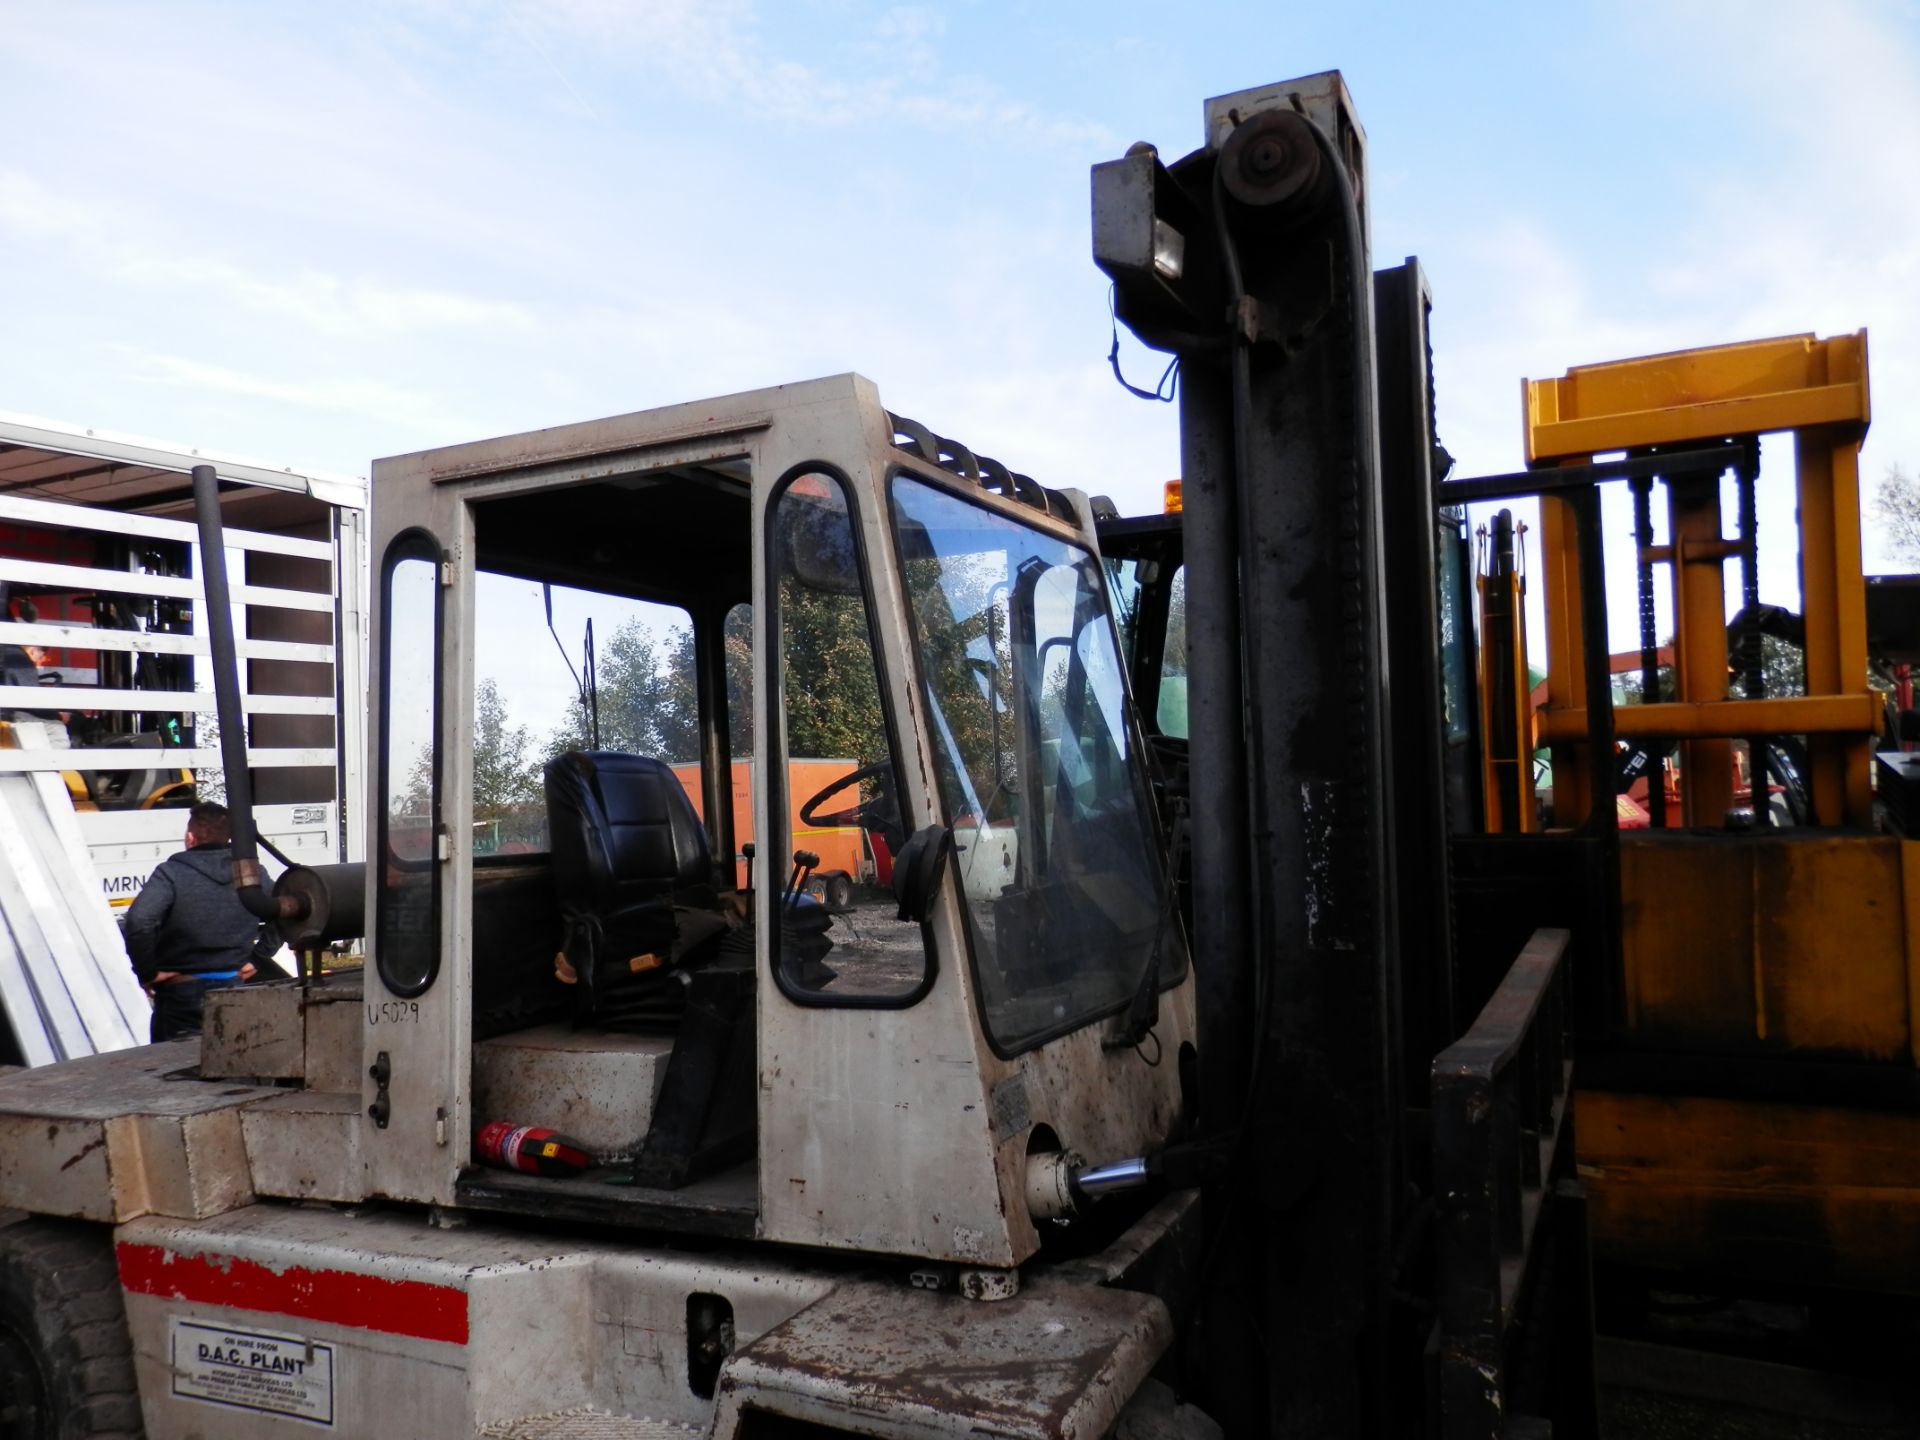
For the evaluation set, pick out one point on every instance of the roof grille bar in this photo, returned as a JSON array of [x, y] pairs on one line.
[[982, 470]]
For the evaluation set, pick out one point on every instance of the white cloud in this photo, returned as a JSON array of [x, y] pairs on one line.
[[129, 245], [1790, 203], [356, 396], [1822, 231], [326, 303], [714, 52], [32, 208]]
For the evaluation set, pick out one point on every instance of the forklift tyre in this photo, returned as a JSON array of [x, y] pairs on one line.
[[66, 1360]]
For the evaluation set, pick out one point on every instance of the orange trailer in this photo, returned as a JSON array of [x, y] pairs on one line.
[[844, 857]]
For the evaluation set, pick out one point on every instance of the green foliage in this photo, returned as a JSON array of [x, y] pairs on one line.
[[649, 695], [649, 704], [1782, 666], [832, 692], [645, 709], [503, 777]]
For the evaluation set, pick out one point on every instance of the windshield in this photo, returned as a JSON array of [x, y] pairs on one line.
[[1065, 899]]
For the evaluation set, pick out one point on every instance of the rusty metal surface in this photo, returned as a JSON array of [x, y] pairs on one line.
[[284, 1030], [254, 1031], [1502, 1146], [1505, 1023], [1058, 1361], [1790, 942], [587, 1423], [1795, 1193], [1168, 1235], [190, 1166]]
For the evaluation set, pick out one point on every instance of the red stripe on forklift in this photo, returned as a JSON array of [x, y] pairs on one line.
[[335, 1297]]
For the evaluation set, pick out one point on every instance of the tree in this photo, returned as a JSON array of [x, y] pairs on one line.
[[738, 633], [650, 698], [504, 779], [507, 795], [644, 708], [682, 693], [1897, 503], [832, 692], [1782, 667]]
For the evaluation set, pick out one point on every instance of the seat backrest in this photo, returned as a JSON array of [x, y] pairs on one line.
[[622, 832]]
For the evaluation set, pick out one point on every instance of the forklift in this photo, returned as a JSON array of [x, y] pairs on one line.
[[605, 1142], [1733, 850]]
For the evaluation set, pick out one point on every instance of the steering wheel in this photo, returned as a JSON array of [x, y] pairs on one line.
[[878, 811]]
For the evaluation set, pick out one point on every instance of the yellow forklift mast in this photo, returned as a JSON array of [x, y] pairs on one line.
[[1750, 1108]]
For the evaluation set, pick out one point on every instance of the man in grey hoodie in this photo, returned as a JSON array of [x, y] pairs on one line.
[[187, 932]]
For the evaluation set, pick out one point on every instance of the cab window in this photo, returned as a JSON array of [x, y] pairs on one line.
[[559, 668], [834, 790], [1069, 916], [406, 924]]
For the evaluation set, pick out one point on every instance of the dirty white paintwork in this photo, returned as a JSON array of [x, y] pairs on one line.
[[111, 1138], [552, 1324], [882, 1130]]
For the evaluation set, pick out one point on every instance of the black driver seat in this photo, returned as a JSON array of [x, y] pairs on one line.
[[633, 871]]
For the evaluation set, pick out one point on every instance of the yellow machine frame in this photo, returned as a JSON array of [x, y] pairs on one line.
[[1783, 951], [1817, 389]]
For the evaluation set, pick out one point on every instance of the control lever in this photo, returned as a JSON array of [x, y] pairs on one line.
[[804, 862]]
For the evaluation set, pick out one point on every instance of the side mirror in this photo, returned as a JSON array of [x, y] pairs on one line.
[[917, 868], [815, 542]]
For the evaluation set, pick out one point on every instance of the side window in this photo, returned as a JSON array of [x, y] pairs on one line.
[[407, 923], [1126, 579], [1170, 715], [1139, 590], [1456, 629], [737, 631], [832, 786]]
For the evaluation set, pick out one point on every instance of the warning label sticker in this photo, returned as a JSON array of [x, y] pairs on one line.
[[253, 1370]]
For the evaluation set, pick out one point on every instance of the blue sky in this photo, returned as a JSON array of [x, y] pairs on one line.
[[323, 232]]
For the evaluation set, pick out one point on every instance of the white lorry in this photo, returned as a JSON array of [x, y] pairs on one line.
[[106, 709]]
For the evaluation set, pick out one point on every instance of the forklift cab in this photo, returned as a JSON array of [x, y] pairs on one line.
[[782, 574]]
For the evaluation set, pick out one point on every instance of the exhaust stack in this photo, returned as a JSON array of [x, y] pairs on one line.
[[226, 696]]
